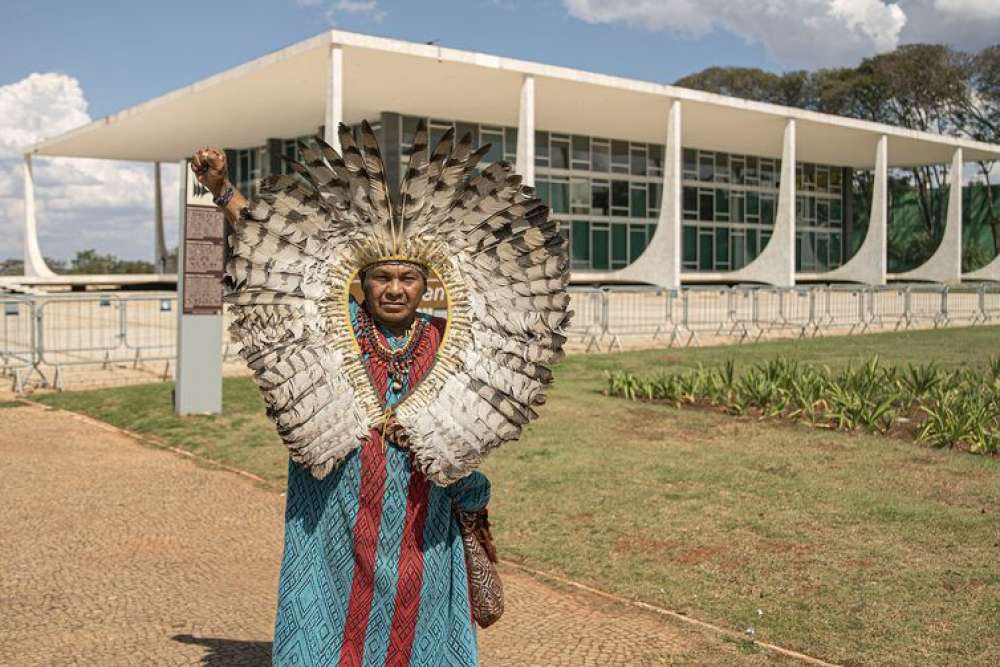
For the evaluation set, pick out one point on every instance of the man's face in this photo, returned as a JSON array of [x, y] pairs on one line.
[[393, 292]]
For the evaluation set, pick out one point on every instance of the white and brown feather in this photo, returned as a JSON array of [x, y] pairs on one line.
[[483, 233]]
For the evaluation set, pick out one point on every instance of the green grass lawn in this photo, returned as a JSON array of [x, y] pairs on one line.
[[855, 548]]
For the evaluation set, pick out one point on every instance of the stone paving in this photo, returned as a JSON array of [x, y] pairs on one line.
[[117, 553]]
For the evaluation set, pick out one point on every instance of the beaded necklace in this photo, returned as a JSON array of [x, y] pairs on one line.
[[398, 361]]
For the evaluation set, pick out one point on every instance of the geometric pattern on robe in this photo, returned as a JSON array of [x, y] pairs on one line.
[[373, 569]]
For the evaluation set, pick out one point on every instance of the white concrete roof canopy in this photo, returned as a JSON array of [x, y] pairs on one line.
[[283, 94]]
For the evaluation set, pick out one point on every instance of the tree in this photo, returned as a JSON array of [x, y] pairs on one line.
[[982, 120], [91, 262], [852, 92], [921, 87], [12, 267], [751, 83], [15, 267]]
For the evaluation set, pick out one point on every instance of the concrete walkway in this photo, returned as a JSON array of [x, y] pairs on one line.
[[116, 553]]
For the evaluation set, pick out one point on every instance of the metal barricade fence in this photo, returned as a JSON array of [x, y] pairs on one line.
[[785, 308], [962, 305], [840, 307], [887, 307], [43, 333], [637, 312], [150, 326], [925, 303], [990, 300], [80, 330], [702, 310], [742, 314], [798, 310], [589, 316], [17, 339]]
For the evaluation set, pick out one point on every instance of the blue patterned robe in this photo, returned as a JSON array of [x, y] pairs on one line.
[[373, 571]]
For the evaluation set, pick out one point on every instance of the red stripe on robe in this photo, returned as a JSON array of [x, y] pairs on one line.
[[367, 524], [410, 574], [366, 528]]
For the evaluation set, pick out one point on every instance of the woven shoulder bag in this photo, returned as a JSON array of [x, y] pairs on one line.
[[485, 588]]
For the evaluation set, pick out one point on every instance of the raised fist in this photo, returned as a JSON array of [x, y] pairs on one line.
[[209, 167]]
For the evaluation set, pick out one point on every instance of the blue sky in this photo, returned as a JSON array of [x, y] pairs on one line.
[[66, 63], [125, 53]]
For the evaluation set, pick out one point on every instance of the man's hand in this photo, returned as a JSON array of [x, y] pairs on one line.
[[209, 167]]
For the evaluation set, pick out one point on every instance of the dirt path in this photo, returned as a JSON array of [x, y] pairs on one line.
[[117, 553]]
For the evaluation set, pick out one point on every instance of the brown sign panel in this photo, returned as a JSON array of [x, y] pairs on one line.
[[204, 260]]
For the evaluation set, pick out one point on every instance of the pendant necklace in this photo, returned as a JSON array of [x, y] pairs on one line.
[[398, 361]]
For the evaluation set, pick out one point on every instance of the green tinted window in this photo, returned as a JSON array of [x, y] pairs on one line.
[[580, 250], [690, 243], [638, 197], [636, 241], [599, 243], [722, 245], [619, 243], [705, 252]]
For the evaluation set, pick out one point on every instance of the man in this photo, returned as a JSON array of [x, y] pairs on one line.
[[373, 568]]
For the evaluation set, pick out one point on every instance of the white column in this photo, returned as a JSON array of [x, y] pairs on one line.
[[953, 227], [783, 237], [34, 263], [161, 238], [775, 265], [660, 262], [868, 265], [526, 132], [669, 223], [945, 265], [334, 96]]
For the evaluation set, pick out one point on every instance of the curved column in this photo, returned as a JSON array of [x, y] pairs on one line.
[[334, 97], [660, 262], [989, 272], [945, 265], [34, 263], [775, 265], [526, 132], [868, 265]]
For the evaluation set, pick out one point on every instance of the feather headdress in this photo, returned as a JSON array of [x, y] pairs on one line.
[[503, 265]]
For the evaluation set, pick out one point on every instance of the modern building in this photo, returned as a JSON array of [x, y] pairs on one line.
[[651, 183]]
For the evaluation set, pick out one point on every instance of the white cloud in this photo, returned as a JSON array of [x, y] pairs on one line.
[[809, 33], [969, 25], [80, 204], [368, 9], [794, 32], [879, 22], [969, 9]]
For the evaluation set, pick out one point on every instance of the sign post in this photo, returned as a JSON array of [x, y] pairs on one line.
[[201, 264]]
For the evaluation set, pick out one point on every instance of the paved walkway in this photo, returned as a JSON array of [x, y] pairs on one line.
[[116, 553]]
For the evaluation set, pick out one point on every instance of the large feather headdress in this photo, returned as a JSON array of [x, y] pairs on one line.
[[503, 265]]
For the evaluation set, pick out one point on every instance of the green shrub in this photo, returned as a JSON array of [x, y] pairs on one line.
[[957, 409]]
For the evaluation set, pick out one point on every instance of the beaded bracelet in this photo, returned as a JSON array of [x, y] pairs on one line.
[[223, 199]]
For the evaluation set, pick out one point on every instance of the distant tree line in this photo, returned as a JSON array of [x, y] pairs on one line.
[[90, 262], [927, 87]]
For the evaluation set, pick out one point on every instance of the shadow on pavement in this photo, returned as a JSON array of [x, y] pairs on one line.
[[229, 651]]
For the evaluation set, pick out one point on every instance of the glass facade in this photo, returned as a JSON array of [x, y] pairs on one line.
[[605, 193], [245, 171], [819, 217]]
